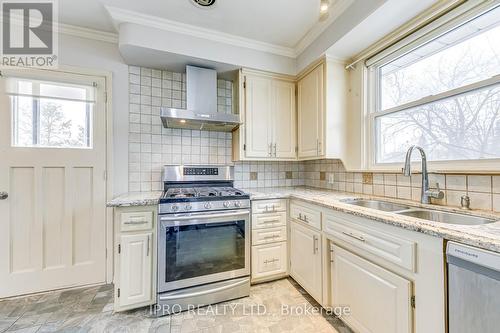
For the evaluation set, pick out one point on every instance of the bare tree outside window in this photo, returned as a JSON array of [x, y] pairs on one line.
[[61, 121], [461, 127]]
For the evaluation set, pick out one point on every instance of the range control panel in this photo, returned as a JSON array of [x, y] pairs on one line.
[[201, 171]]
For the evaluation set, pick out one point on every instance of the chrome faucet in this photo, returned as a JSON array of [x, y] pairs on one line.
[[427, 193]]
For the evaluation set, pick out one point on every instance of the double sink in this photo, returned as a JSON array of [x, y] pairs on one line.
[[421, 213]]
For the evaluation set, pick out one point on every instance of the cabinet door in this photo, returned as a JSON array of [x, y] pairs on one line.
[[380, 300], [258, 102], [135, 270], [284, 139], [305, 259], [310, 114], [269, 260]]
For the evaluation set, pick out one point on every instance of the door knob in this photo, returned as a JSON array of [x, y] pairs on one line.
[[4, 195]]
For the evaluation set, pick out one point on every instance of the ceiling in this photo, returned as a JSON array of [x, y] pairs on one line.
[[278, 22]]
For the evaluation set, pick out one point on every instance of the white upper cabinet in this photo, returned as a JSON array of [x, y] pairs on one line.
[[310, 114], [284, 120], [258, 106], [269, 118], [325, 127]]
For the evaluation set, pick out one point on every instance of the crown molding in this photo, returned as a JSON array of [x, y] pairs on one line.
[[335, 11], [77, 31], [73, 30], [120, 16]]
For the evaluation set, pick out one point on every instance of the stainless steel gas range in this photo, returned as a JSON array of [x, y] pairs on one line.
[[204, 238]]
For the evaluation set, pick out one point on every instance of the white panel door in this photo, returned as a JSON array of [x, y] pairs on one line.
[[380, 300], [135, 269], [258, 103], [310, 114], [284, 124], [52, 224], [305, 259]]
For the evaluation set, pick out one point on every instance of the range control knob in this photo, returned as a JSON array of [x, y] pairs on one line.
[[237, 204], [226, 204], [175, 208], [208, 205], [188, 207]]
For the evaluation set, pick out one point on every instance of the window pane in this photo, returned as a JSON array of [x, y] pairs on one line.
[[63, 91], [465, 55], [460, 128], [44, 122]]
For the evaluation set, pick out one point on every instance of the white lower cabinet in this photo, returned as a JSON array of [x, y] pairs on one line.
[[135, 259], [269, 240], [269, 260], [380, 301], [135, 269], [305, 259]]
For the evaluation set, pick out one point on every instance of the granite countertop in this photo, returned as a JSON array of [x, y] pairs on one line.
[[136, 199], [482, 236]]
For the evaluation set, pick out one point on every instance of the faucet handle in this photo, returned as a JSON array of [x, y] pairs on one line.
[[436, 193]]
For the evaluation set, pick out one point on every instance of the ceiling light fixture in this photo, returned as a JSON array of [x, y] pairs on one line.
[[203, 3], [324, 7]]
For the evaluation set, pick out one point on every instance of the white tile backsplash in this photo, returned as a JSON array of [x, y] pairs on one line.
[[151, 146]]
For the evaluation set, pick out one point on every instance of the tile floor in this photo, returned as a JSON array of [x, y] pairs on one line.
[[90, 310]]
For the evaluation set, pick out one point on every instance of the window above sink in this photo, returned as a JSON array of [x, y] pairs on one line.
[[441, 91]]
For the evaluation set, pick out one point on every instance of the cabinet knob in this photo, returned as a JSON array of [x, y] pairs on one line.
[[4, 195]]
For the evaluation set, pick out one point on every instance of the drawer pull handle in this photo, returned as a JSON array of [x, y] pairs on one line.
[[136, 222], [303, 218], [354, 236], [271, 261], [271, 221], [271, 237]]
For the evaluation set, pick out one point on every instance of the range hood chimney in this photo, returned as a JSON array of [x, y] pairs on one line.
[[201, 112]]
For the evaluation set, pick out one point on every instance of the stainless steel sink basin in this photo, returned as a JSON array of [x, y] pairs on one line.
[[378, 205], [445, 217]]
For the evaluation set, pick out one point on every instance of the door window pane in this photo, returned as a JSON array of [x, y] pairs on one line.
[[51, 115]]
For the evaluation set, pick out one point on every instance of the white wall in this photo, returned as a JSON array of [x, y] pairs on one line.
[[96, 55]]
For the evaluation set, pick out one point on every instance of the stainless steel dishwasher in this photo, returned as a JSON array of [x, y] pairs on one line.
[[473, 289]]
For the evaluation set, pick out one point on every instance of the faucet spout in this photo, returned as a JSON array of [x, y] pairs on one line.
[[427, 194]]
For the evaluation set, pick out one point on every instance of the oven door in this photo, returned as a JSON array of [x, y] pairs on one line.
[[200, 248]]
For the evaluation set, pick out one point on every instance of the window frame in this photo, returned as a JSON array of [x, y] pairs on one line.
[[433, 30]]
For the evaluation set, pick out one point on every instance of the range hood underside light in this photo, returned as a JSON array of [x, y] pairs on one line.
[[186, 119]]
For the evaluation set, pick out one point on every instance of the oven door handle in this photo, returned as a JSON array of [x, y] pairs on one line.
[[205, 292], [204, 216]]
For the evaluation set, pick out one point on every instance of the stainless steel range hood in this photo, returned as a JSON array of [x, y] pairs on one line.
[[201, 112]]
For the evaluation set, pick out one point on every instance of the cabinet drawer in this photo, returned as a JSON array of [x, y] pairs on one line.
[[269, 220], [269, 260], [269, 206], [134, 221], [268, 235], [386, 246], [306, 213]]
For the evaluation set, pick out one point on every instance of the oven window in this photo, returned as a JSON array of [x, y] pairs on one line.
[[204, 249]]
